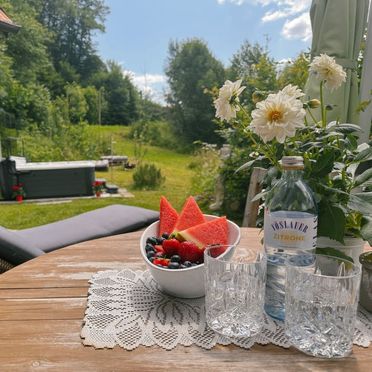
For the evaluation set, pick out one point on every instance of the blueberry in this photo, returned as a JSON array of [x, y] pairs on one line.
[[173, 265], [159, 255], [165, 235], [160, 241], [152, 240], [187, 263], [149, 248], [175, 258], [182, 266], [150, 254], [194, 264], [151, 259]]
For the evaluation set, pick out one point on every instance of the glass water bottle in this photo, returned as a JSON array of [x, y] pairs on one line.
[[290, 227]]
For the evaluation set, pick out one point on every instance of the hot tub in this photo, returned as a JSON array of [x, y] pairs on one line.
[[47, 179]]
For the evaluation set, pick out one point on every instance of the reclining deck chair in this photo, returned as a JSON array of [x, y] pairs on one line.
[[20, 246]]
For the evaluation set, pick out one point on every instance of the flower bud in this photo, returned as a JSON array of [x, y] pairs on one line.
[[258, 96], [313, 103]]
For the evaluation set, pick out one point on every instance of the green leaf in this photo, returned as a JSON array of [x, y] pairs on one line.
[[361, 202], [324, 164], [332, 221], [246, 165], [364, 179], [366, 230], [260, 195], [352, 141], [333, 252], [347, 128], [364, 155]]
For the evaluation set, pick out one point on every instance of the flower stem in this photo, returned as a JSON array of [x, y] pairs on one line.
[[265, 148], [322, 105], [312, 116]]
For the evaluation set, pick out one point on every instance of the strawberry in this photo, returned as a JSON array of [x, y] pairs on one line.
[[189, 251], [171, 247]]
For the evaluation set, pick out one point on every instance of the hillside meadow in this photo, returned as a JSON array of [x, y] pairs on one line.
[[174, 166]]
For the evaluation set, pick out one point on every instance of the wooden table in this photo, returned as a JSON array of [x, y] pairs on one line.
[[42, 304]]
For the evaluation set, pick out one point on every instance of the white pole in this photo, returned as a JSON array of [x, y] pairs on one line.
[[365, 117]]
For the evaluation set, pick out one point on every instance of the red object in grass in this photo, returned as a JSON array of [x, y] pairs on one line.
[[19, 198]]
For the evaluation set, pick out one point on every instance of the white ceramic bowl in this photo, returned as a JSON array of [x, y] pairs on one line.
[[185, 283]]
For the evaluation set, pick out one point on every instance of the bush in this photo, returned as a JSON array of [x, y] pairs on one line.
[[155, 133], [206, 167], [70, 142], [147, 176]]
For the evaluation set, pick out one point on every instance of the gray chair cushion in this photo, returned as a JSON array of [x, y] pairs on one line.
[[16, 249], [111, 220]]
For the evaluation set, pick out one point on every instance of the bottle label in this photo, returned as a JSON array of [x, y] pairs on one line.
[[284, 229]]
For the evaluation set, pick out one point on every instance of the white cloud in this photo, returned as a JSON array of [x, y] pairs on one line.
[[280, 65], [295, 14], [274, 15], [152, 86], [298, 28], [236, 2], [285, 8]]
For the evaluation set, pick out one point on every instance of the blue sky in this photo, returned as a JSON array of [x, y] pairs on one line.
[[138, 32]]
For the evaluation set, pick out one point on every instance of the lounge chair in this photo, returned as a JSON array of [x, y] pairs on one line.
[[20, 246]]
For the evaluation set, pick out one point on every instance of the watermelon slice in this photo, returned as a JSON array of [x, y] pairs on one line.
[[211, 232], [168, 217], [190, 215]]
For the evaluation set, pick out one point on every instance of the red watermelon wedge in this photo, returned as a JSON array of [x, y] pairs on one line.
[[190, 215], [168, 217], [211, 232]]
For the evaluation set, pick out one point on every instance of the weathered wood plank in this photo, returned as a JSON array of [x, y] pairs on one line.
[[57, 292], [42, 305], [56, 345], [43, 309]]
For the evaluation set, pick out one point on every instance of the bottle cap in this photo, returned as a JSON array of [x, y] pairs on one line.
[[292, 162]]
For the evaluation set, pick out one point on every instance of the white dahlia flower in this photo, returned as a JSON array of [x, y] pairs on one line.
[[228, 98], [326, 68], [278, 117], [293, 91]]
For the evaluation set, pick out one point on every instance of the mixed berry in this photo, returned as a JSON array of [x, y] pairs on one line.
[[169, 253]]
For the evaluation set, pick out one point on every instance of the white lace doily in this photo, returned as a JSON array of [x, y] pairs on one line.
[[126, 308]]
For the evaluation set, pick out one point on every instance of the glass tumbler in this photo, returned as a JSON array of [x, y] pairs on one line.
[[321, 304], [235, 290]]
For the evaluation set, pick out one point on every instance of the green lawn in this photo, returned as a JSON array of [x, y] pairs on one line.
[[174, 167]]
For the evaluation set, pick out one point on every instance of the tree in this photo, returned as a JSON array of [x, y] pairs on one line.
[[72, 24], [295, 72], [120, 95], [77, 104], [244, 60], [27, 47], [253, 65], [192, 70]]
